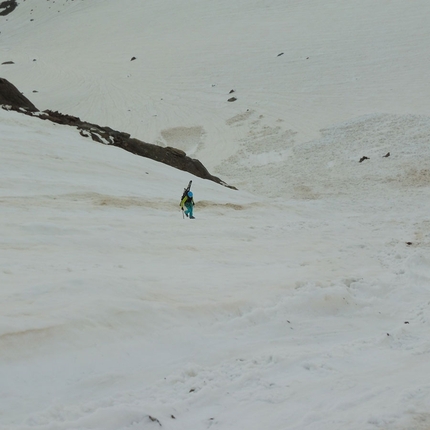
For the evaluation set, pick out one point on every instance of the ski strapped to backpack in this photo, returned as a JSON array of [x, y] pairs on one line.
[[186, 190]]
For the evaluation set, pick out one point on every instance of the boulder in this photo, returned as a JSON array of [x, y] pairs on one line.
[[7, 6], [11, 96]]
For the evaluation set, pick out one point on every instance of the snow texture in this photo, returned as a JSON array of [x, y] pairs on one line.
[[299, 302]]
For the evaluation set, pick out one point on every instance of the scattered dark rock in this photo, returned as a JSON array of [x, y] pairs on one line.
[[96, 138], [280, 54], [387, 155], [11, 96], [8, 62], [14, 100], [406, 322], [173, 417], [231, 91], [232, 99], [8, 6], [363, 158], [409, 243], [192, 390], [307, 58], [154, 420], [133, 58], [59, 118]]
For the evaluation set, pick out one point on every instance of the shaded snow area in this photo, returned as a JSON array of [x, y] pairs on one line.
[[300, 301]]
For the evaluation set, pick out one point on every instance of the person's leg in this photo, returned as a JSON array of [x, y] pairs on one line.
[[187, 209], [191, 211]]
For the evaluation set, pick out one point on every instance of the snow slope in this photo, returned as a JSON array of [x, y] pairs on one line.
[[341, 60], [300, 301]]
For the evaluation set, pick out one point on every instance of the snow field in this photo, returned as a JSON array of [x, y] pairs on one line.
[[257, 309], [300, 301]]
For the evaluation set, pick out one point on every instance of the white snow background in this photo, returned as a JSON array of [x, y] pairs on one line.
[[300, 301]]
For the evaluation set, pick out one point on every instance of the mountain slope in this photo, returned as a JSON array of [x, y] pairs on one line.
[[339, 61]]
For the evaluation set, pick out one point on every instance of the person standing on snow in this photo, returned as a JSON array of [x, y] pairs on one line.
[[188, 202]]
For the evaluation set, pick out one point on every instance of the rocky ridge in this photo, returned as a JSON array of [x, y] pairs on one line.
[[12, 99]]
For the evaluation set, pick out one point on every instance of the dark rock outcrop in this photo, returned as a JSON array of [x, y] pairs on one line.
[[10, 95], [14, 100], [7, 6], [171, 156]]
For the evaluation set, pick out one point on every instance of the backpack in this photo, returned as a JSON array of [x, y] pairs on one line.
[[184, 194]]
